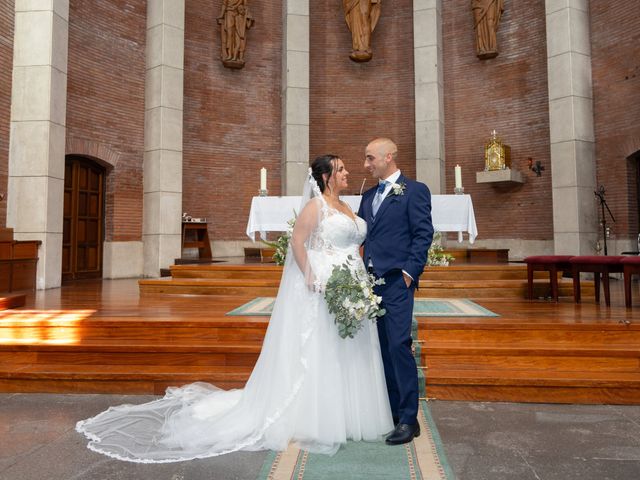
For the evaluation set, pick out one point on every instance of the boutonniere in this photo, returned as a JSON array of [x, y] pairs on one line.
[[398, 188]]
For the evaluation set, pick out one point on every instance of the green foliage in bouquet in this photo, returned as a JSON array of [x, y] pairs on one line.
[[436, 256], [282, 243], [350, 297]]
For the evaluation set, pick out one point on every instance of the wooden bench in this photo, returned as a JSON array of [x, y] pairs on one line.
[[549, 263], [630, 266], [601, 267]]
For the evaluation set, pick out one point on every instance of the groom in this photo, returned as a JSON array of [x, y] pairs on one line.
[[399, 234]]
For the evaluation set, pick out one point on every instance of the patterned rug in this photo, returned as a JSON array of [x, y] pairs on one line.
[[422, 459], [423, 307]]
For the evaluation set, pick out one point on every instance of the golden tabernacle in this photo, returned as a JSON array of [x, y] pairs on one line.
[[497, 156]]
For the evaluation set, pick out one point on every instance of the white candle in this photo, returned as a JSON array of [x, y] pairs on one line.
[[263, 178], [458, 171]]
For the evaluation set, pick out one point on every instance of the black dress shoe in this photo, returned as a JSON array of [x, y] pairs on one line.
[[403, 433]]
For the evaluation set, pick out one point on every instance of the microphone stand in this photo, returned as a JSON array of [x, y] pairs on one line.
[[603, 204], [362, 186]]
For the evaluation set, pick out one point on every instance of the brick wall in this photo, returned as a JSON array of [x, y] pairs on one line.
[[6, 67], [352, 103], [232, 120], [615, 61], [508, 94], [105, 105]]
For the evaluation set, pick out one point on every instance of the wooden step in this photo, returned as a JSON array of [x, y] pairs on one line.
[[522, 336], [534, 386], [508, 288], [478, 255], [494, 289], [506, 358], [227, 282], [456, 281], [258, 271], [210, 286], [124, 379], [476, 272], [454, 272], [135, 352], [485, 283], [127, 334], [12, 300]]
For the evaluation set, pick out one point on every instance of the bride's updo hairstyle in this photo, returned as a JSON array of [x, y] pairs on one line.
[[323, 165]]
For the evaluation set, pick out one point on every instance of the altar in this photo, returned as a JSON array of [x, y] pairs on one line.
[[449, 213]]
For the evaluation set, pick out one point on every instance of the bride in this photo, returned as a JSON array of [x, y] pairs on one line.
[[309, 386]]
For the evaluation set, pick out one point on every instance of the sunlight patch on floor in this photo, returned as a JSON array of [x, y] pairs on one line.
[[42, 327]]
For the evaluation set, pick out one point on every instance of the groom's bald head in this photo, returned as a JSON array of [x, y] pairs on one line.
[[385, 146], [380, 157]]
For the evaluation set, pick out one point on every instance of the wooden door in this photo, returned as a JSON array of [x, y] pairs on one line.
[[83, 228]]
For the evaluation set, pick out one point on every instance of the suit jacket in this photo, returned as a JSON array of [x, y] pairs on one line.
[[400, 234]]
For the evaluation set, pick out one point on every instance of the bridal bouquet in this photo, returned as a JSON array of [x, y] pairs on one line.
[[350, 297]]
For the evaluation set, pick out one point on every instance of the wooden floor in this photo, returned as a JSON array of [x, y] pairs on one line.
[[104, 336]]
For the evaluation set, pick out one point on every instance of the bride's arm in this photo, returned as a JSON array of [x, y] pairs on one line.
[[306, 223]]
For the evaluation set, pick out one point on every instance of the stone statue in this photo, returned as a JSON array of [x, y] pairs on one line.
[[486, 16], [361, 17], [234, 21]]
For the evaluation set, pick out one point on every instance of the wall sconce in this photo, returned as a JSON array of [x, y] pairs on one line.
[[1, 196], [538, 168]]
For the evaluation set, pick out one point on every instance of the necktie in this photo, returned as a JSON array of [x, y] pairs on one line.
[[377, 200]]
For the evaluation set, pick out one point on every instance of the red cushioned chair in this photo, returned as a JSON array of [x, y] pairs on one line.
[[600, 266], [548, 263], [630, 265]]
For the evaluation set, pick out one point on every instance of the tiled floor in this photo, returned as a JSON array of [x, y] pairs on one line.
[[482, 441]]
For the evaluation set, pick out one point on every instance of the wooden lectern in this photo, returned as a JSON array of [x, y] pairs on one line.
[[195, 235], [18, 262]]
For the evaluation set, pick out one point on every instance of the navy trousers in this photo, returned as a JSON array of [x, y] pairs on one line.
[[394, 330]]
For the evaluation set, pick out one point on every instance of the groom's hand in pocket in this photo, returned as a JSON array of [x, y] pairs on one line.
[[407, 279]]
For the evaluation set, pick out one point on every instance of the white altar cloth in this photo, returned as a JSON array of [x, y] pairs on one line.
[[450, 213]]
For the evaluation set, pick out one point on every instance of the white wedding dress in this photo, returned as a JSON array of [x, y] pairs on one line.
[[309, 386]]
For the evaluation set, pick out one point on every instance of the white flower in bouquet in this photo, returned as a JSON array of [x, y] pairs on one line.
[[436, 257], [350, 297], [281, 245]]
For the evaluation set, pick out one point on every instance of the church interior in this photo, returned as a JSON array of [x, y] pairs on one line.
[[152, 153]]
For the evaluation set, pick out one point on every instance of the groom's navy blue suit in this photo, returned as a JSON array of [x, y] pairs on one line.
[[398, 238]]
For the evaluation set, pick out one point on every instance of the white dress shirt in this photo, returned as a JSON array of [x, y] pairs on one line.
[[391, 179]]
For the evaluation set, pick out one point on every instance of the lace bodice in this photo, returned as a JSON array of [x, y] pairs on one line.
[[339, 231], [337, 237]]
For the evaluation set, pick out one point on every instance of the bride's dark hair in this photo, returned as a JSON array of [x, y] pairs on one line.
[[321, 165]]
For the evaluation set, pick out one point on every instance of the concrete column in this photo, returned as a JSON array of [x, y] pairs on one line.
[[37, 143], [571, 126], [295, 96], [162, 219], [429, 93]]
